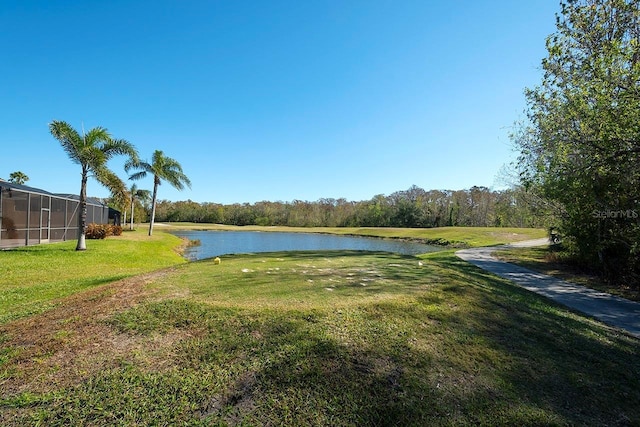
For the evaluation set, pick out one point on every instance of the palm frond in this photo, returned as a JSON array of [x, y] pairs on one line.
[[143, 195], [122, 200], [158, 157], [131, 164], [68, 137], [96, 136], [93, 157], [114, 147], [112, 182], [138, 175], [178, 180]]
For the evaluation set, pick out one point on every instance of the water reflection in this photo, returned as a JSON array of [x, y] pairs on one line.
[[216, 243]]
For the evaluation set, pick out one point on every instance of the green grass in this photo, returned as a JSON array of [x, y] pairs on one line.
[[321, 338], [454, 236], [33, 278]]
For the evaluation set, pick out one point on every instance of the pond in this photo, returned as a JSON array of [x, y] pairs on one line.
[[217, 243]]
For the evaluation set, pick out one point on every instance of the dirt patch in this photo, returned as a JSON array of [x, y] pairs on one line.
[[71, 342], [235, 403], [381, 367]]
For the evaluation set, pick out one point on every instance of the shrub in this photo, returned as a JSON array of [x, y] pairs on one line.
[[100, 231], [116, 230], [97, 231]]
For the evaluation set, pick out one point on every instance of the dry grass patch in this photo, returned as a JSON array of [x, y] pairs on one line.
[[65, 345]]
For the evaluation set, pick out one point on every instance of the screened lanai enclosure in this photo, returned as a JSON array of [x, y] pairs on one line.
[[31, 216]]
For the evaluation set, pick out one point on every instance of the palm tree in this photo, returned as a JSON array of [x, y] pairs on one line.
[[136, 193], [120, 201], [18, 177], [92, 151], [163, 168]]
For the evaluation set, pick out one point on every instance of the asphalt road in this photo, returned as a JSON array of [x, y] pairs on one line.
[[610, 309]]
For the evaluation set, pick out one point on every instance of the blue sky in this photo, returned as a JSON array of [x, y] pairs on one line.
[[273, 100]]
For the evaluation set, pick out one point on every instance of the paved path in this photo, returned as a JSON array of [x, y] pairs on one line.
[[609, 309]]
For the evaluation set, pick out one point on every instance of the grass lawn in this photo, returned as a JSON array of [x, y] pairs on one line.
[[311, 338], [453, 236], [549, 260], [33, 278]]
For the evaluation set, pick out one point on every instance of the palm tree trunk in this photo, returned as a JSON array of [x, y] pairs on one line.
[[132, 202], [153, 205], [82, 218]]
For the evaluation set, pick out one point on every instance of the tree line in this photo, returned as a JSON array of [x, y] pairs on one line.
[[414, 207]]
